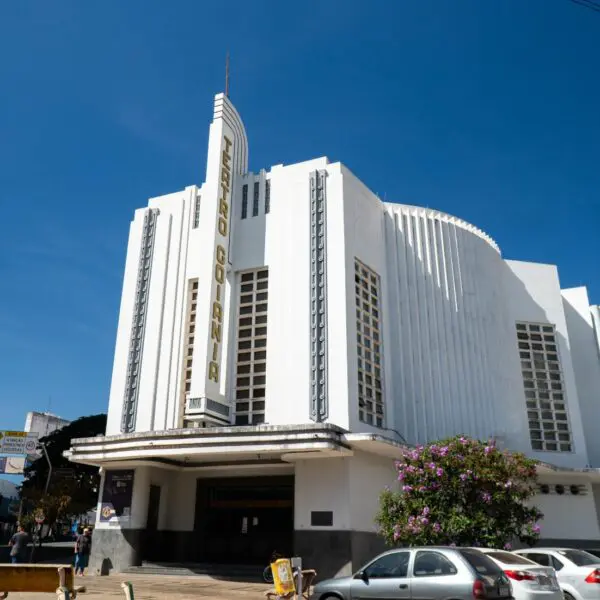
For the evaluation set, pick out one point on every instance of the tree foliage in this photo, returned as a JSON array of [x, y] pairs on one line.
[[75, 493], [461, 491]]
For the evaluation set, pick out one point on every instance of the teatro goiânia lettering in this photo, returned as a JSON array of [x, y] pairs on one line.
[[216, 326]]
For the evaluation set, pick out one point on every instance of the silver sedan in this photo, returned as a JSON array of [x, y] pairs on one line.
[[426, 573]]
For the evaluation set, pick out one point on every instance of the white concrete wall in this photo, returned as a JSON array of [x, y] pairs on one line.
[[322, 485], [287, 253], [568, 517], [349, 486], [369, 476], [534, 295], [586, 365]]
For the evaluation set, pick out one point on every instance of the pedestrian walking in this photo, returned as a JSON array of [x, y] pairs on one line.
[[83, 547], [18, 546]]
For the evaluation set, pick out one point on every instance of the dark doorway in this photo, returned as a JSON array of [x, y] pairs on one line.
[[151, 550], [243, 521]]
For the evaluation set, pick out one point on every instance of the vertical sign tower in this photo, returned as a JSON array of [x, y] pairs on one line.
[[227, 159]]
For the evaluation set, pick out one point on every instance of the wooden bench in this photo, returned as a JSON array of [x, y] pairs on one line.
[[58, 579]]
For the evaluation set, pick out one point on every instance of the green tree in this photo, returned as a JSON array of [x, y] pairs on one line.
[[461, 491], [75, 493]]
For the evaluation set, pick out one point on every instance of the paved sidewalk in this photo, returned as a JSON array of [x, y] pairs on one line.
[[160, 587]]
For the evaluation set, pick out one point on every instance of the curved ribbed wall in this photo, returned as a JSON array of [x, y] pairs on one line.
[[454, 372]]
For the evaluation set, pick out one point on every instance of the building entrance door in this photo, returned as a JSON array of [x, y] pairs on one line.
[[151, 551], [243, 521]]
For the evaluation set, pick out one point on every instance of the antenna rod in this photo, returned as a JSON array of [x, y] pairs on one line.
[[227, 75]]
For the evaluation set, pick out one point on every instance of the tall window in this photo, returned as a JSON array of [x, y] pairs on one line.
[[255, 199], [188, 340], [369, 345], [196, 212], [245, 201], [547, 414], [251, 358], [267, 196]]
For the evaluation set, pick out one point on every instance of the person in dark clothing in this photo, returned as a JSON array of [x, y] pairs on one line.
[[83, 547], [18, 546]]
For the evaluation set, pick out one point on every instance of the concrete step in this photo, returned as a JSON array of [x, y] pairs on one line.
[[250, 573]]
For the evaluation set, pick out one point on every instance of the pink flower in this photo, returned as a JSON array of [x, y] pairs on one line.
[[508, 546], [439, 472]]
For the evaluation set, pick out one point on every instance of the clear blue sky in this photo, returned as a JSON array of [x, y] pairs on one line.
[[485, 109]]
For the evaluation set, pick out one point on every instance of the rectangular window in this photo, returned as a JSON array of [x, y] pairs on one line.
[[546, 415], [188, 347], [267, 196], [369, 348], [196, 212], [255, 199], [245, 201], [251, 334]]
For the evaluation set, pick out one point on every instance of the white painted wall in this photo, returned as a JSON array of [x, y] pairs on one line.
[[322, 485], [369, 476], [586, 365], [559, 520], [287, 252], [349, 486], [535, 296]]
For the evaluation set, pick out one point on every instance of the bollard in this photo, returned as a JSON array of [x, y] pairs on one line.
[[128, 590]]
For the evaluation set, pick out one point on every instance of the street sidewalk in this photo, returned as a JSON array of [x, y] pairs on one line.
[[160, 587]]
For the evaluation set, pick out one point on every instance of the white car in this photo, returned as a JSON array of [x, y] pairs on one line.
[[529, 580], [578, 572]]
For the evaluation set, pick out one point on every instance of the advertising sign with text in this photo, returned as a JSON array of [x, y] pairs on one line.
[[18, 442]]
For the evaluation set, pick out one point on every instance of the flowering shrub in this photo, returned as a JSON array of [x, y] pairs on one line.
[[460, 492]]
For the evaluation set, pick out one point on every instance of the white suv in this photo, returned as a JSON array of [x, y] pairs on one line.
[[578, 572]]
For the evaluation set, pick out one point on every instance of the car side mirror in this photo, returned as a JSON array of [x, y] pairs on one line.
[[362, 575]]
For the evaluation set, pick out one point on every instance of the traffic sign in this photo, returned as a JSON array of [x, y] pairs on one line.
[[18, 442]]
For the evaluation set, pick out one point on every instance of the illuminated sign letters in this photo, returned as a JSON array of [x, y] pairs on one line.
[[216, 326]]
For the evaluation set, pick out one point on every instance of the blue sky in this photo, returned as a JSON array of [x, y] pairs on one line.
[[487, 110]]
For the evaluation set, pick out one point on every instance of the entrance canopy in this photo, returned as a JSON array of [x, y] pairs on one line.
[[216, 445]]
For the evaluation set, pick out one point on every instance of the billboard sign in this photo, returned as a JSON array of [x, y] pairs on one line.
[[18, 442], [13, 465], [116, 497]]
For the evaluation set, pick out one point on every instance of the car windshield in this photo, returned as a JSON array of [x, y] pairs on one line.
[[506, 558], [481, 563], [580, 558]]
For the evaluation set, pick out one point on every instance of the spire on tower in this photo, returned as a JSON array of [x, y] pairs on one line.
[[227, 74]]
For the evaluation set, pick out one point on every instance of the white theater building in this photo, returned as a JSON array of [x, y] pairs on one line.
[[282, 333]]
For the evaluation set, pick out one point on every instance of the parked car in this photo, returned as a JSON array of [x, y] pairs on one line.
[[578, 572], [529, 580], [433, 572]]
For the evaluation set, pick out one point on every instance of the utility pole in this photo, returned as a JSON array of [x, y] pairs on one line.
[[49, 468]]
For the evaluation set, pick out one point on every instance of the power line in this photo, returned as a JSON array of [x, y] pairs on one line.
[[587, 4]]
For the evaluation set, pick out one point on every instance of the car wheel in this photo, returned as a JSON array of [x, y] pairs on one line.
[[567, 596]]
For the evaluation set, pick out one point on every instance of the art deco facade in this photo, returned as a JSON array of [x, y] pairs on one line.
[[288, 322]]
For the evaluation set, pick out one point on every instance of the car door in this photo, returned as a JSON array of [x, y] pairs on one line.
[[386, 578], [435, 576]]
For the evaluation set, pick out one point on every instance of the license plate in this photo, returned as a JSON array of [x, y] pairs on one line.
[[503, 591]]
